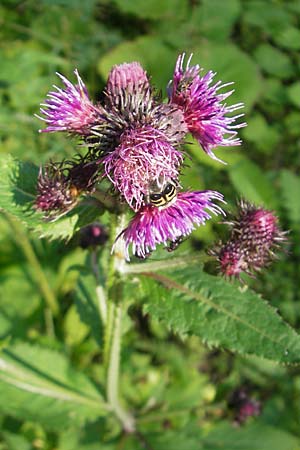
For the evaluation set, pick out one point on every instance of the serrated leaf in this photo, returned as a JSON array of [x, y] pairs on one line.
[[40, 385], [17, 194], [251, 183], [193, 302], [290, 188]]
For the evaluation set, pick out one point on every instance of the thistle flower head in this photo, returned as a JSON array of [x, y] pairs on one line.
[[61, 184], [143, 156], [70, 109], [55, 194], [208, 119], [254, 236], [153, 225]]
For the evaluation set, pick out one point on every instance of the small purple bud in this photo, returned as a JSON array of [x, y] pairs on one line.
[[243, 406], [93, 235]]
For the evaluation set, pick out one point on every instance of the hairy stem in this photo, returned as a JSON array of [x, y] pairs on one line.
[[113, 374], [113, 333]]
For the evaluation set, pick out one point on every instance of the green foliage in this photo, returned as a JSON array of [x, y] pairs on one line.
[[39, 385], [192, 302], [18, 190], [251, 183], [290, 187], [177, 377], [256, 437]]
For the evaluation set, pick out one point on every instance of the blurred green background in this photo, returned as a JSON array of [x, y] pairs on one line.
[[256, 44]]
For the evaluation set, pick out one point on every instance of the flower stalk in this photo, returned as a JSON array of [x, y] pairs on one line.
[[113, 334]]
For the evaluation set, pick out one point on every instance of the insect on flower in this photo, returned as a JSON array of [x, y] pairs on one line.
[[161, 193]]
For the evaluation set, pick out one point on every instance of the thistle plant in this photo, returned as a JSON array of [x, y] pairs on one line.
[[122, 190]]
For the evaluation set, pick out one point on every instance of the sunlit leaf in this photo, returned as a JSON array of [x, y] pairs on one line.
[[252, 184], [40, 385], [223, 315]]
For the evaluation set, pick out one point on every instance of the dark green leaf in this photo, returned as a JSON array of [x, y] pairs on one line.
[[40, 385], [290, 188], [223, 315]]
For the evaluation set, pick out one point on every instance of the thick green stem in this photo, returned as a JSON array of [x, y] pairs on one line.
[[113, 333], [126, 419]]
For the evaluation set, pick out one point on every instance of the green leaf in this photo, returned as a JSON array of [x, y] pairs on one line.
[[154, 9], [260, 132], [288, 38], [215, 19], [273, 61], [252, 184], [271, 20], [290, 188], [16, 442], [254, 436], [193, 302], [293, 92], [40, 385], [17, 194], [88, 306]]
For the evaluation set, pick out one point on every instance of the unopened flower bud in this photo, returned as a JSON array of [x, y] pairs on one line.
[[92, 235], [255, 234]]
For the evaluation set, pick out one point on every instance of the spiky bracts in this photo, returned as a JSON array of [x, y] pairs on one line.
[[255, 234], [61, 184], [134, 140]]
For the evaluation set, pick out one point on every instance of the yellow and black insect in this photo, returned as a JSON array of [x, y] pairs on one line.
[[162, 194]]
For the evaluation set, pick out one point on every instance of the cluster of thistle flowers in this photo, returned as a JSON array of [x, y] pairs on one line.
[[254, 236], [134, 140]]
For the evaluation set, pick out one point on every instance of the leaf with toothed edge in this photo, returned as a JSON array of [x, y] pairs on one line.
[[17, 195], [223, 315]]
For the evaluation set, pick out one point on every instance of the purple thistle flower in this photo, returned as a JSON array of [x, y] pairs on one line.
[[70, 109], [143, 156], [61, 184], [153, 225], [205, 115], [55, 194], [243, 405], [254, 235]]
